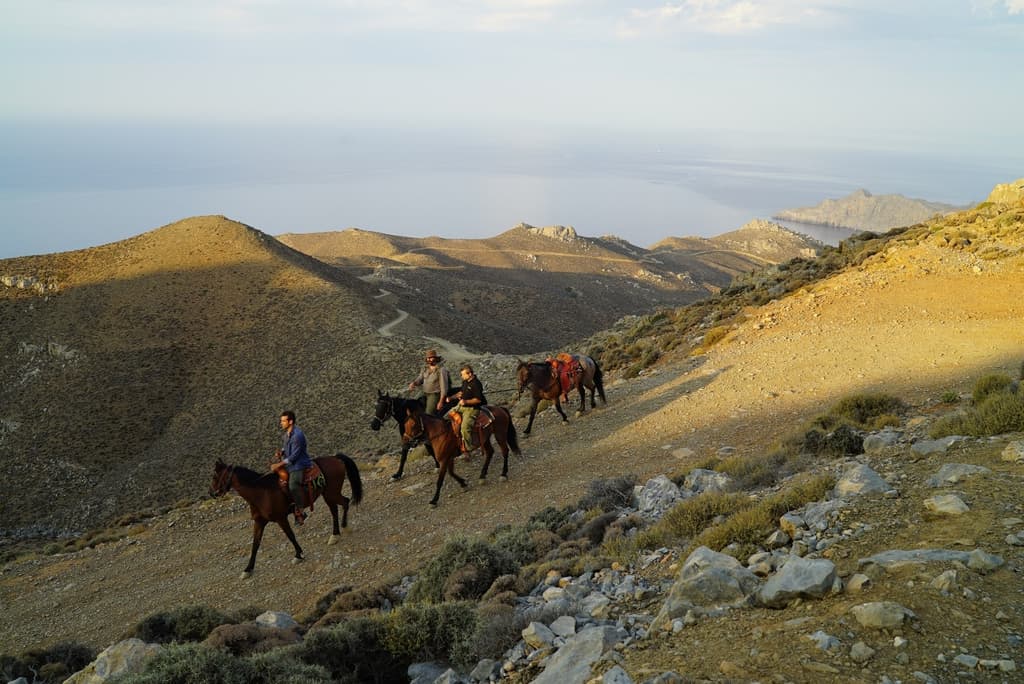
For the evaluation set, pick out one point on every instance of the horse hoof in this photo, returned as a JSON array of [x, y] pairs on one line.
[[481, 480], [396, 477], [246, 574], [503, 478], [296, 561], [578, 414], [433, 504], [333, 539]]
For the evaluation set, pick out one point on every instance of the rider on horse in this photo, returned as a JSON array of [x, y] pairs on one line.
[[471, 399], [296, 459]]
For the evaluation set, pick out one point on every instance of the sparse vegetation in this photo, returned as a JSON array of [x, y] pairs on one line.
[[189, 623], [463, 569], [45, 665]]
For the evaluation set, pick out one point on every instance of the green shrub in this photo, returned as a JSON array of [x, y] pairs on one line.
[[996, 414], [52, 664], [862, 410], [749, 526], [551, 518], [193, 664], [190, 623], [991, 384], [463, 569], [689, 518], [430, 632], [950, 397], [353, 651]]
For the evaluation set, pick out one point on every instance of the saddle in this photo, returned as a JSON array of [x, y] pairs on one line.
[[565, 369], [313, 480], [483, 419]]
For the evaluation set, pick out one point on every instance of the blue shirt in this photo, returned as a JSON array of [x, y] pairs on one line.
[[294, 448]]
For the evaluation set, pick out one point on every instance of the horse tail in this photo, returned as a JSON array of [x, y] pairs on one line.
[[353, 476], [513, 441], [599, 380]]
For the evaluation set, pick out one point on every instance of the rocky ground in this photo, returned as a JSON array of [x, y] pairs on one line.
[[914, 324]]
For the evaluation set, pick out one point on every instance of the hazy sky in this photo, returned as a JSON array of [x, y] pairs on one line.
[[905, 71], [936, 75]]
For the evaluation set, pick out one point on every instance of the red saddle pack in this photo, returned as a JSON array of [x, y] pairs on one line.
[[484, 417], [566, 369]]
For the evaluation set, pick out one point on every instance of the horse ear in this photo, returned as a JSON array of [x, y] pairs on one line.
[[379, 395]]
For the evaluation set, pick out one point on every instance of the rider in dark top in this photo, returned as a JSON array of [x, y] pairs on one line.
[[471, 398]]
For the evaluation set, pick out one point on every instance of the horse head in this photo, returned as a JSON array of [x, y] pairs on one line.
[[385, 409], [413, 427], [522, 378], [222, 477]]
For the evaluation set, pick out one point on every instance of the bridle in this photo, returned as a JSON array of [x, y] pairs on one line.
[[389, 411], [223, 484]]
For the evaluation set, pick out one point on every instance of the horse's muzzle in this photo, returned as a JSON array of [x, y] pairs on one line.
[[375, 424]]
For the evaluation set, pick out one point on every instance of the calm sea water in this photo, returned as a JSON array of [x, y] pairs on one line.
[[65, 186]]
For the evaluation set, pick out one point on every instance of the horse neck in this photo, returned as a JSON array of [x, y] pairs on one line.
[[247, 488]]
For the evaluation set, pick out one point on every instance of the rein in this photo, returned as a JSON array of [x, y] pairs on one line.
[[224, 480]]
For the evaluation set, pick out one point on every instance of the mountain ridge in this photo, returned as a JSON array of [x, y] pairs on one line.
[[860, 210]]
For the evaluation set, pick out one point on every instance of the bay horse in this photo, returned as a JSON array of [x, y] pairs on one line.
[[447, 443], [543, 381], [269, 503], [399, 408]]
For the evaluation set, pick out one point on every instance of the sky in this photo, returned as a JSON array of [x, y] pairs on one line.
[[921, 77]]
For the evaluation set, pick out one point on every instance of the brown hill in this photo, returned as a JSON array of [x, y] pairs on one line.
[[926, 313], [860, 210], [538, 288], [128, 367]]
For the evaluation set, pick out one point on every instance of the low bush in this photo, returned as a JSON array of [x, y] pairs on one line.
[[463, 569], [431, 632], [194, 664], [43, 665], [748, 526], [996, 414], [609, 494], [988, 385], [189, 623], [683, 521]]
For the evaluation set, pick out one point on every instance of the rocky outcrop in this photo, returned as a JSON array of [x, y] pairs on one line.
[[1008, 193]]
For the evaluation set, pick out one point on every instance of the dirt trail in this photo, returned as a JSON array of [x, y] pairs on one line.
[[914, 332]]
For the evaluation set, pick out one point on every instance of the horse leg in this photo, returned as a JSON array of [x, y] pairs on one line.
[[430, 450], [401, 462], [583, 400], [335, 532], [291, 537], [503, 444], [344, 511], [488, 453], [558, 407], [445, 467], [533, 412], [257, 535]]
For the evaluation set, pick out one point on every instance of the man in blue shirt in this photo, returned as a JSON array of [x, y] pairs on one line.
[[295, 457]]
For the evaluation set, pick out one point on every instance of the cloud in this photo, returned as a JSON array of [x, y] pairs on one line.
[[726, 16]]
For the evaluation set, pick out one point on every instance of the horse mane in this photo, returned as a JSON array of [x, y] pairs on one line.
[[251, 478]]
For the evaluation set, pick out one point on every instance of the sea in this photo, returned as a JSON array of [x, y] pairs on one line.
[[69, 185]]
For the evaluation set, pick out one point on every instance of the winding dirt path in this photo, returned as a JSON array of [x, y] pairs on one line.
[[914, 331]]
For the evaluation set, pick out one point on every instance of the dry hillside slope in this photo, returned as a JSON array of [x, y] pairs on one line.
[[918, 319], [550, 285], [133, 364]]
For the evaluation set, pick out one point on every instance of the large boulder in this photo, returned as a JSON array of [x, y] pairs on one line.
[[124, 657], [798, 578], [707, 580], [573, 662]]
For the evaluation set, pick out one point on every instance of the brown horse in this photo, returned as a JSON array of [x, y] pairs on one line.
[[268, 503], [543, 381], [446, 442]]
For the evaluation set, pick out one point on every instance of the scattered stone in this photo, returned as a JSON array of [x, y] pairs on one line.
[[857, 583], [538, 635], [860, 480], [984, 562], [573, 661], [276, 619], [877, 442], [861, 652], [616, 675], [1014, 451], [826, 642], [936, 446], [945, 582], [954, 473], [966, 660], [946, 504], [898, 558], [880, 614], [798, 578]]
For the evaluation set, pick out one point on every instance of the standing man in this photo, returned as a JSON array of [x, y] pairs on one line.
[[434, 380], [296, 459], [471, 398]]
